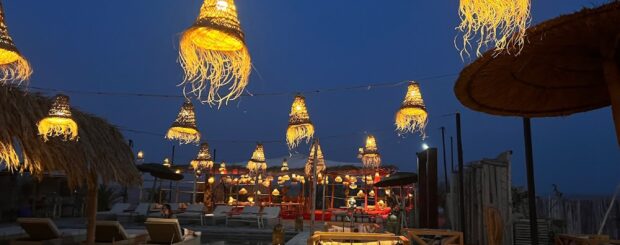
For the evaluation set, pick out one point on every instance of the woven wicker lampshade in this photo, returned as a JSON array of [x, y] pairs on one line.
[[58, 121], [213, 53], [492, 22], [320, 163], [299, 125], [370, 156], [243, 191], [14, 68], [203, 160], [257, 162], [184, 128], [284, 167], [412, 115]]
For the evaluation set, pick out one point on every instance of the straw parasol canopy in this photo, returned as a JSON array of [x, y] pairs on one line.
[[158, 170], [101, 148], [571, 64]]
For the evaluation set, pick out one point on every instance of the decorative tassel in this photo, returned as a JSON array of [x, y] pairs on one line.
[[412, 115], [493, 22], [184, 128], [58, 121], [213, 53], [299, 125]]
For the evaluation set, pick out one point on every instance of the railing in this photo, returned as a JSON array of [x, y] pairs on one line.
[[320, 237], [445, 237]]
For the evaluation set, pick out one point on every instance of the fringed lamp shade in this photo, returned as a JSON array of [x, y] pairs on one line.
[[14, 68], [299, 125], [213, 53], [320, 163], [257, 162], [58, 121], [371, 157], [493, 22], [284, 167], [412, 115], [203, 159], [184, 127]]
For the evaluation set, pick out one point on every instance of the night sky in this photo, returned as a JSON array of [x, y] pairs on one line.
[[299, 45]]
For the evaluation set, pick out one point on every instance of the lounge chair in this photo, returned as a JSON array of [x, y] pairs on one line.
[[112, 232], [117, 208], [249, 214], [219, 213], [269, 213], [44, 231], [141, 210], [193, 211], [335, 238], [168, 231]]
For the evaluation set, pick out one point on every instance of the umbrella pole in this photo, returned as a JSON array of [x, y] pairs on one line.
[[91, 209], [531, 189], [612, 76], [459, 148]]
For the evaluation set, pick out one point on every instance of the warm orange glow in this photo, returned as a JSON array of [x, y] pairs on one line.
[[412, 115]]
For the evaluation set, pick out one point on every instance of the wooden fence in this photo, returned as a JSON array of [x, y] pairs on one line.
[[487, 185], [581, 215]]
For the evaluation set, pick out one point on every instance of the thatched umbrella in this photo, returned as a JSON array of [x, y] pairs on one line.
[[571, 64], [100, 154]]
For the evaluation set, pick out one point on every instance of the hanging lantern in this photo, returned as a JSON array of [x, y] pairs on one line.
[[284, 167], [198, 173], [387, 192], [222, 168], [320, 163], [184, 127], [371, 157], [258, 193], [211, 180], [353, 186], [275, 192], [58, 121], [299, 125], [167, 162], [381, 204], [203, 159], [338, 179], [266, 183], [412, 115], [140, 155], [251, 199], [214, 49], [14, 68], [243, 191], [257, 162], [286, 177], [360, 194], [231, 201], [371, 193], [178, 171], [492, 22]]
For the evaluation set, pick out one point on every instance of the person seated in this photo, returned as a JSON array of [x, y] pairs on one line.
[[166, 212]]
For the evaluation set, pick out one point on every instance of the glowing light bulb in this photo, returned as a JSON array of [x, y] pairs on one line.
[[221, 5]]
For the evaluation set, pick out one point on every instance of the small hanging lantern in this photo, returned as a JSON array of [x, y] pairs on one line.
[[231, 201], [251, 199], [211, 180], [492, 22], [320, 163], [371, 157], [338, 179], [371, 193], [361, 194], [266, 183], [275, 192], [387, 192], [167, 162], [258, 193], [178, 171], [14, 68], [140, 155], [214, 49], [243, 191], [412, 115], [184, 128], [353, 186], [222, 168], [58, 121], [257, 162], [284, 167], [203, 160], [198, 173], [299, 125]]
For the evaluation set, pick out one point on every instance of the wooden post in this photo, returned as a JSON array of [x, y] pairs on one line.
[[422, 193], [531, 188], [91, 209], [333, 190], [431, 192], [459, 148]]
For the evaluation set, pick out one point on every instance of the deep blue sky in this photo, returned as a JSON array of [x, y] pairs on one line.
[[131, 46]]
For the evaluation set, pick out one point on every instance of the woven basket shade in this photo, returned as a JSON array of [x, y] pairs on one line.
[[257, 162], [184, 128], [58, 121], [213, 53], [412, 115], [13, 66], [571, 64], [299, 125], [370, 154], [203, 160]]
